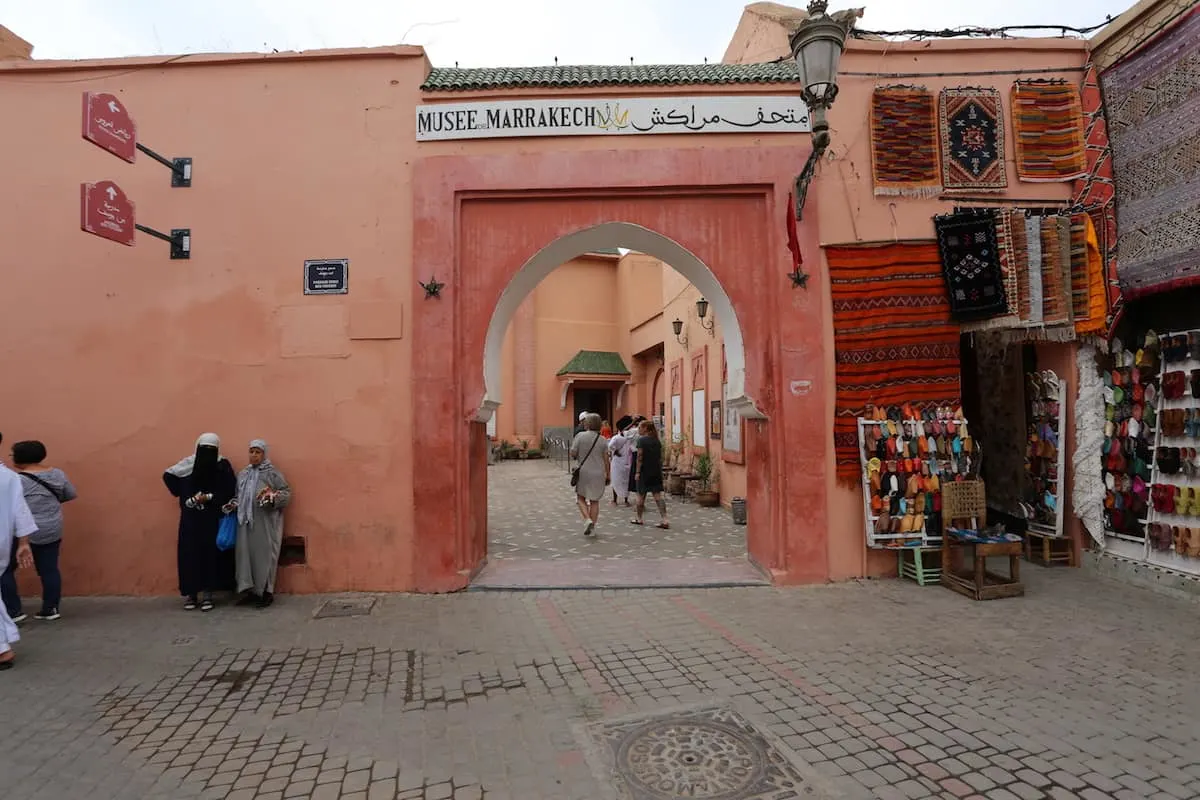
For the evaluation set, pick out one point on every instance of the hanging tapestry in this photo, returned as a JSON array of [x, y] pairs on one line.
[[1048, 131], [1033, 244], [904, 142], [1055, 301], [1020, 254], [1001, 413], [1095, 193], [1095, 320], [971, 264], [1079, 266], [1010, 269], [1152, 99], [894, 340], [972, 128]]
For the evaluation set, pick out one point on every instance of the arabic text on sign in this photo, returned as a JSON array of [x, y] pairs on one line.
[[584, 117]]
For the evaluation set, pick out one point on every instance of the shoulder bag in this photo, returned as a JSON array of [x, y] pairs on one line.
[[46, 486], [575, 472]]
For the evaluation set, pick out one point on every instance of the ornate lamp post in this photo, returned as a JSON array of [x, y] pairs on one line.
[[817, 47]]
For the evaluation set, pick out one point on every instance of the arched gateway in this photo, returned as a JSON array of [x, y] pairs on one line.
[[491, 226]]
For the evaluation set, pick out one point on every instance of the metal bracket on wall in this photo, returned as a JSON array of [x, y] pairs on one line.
[[433, 288], [180, 240], [181, 168]]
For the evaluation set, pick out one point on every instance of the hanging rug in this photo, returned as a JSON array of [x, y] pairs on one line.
[[972, 139], [970, 258], [894, 340], [1048, 131], [904, 142]]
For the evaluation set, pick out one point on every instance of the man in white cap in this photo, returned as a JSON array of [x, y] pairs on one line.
[[579, 423]]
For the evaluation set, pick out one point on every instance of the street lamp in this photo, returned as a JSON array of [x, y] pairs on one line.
[[677, 326], [817, 46], [702, 312]]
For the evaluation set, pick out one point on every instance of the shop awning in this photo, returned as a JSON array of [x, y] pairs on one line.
[[595, 364]]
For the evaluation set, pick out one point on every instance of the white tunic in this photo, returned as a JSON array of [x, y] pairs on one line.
[[15, 520], [621, 449]]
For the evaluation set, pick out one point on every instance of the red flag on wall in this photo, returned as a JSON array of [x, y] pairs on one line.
[[793, 238]]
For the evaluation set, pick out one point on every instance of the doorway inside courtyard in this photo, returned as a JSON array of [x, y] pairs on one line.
[[623, 336]]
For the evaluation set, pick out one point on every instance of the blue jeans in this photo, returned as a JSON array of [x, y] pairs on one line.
[[45, 561]]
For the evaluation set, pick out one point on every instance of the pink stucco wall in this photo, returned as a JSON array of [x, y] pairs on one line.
[[118, 358]]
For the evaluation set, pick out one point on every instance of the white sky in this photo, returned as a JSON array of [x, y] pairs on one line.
[[471, 32]]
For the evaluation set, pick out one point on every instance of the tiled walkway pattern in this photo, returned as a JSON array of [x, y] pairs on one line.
[[1081, 689], [536, 538]]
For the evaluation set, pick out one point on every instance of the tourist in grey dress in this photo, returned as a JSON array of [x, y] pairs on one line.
[[591, 457], [262, 495]]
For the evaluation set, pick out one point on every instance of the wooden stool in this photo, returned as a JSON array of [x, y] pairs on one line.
[[967, 500], [1047, 550], [916, 569]]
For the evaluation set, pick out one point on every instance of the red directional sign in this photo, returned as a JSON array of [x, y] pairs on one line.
[[106, 211], [107, 124]]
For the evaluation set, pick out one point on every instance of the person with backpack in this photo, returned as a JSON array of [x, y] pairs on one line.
[[46, 489]]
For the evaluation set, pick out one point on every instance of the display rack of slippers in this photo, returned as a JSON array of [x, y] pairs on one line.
[[1174, 518], [1131, 400], [907, 453], [1043, 455]]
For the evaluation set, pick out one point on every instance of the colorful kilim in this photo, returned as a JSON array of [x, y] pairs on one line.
[[1020, 255], [972, 128], [971, 264], [1033, 245], [1095, 192], [1080, 285], [1009, 267], [1152, 99], [893, 335], [904, 142], [1055, 302], [1048, 131]]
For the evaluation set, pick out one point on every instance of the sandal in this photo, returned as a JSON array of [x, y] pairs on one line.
[[636, 522], [190, 604], [666, 526], [206, 605]]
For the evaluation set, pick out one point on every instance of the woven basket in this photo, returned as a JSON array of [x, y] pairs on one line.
[[964, 500]]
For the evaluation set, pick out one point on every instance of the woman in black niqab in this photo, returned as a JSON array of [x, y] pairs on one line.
[[203, 483]]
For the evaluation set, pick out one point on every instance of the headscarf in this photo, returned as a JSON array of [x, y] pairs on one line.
[[248, 482], [183, 468]]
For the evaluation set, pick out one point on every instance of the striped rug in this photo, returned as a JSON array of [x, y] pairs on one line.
[[895, 342], [904, 142], [1048, 129]]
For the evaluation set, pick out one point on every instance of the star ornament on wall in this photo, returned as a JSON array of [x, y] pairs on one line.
[[799, 279], [433, 288]]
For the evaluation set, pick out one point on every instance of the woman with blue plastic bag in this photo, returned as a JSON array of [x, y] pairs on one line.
[[203, 482], [262, 494]]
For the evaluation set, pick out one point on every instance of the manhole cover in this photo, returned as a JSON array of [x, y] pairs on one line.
[[711, 753], [357, 607]]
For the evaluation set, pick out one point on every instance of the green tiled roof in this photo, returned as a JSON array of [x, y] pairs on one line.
[[595, 362], [447, 79]]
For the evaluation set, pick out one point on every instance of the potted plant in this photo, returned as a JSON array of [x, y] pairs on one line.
[[523, 453], [706, 475]]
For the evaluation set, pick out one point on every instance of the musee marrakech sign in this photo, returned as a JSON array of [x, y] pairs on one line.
[[608, 117]]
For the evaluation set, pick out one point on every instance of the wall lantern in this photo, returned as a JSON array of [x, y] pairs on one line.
[[677, 326], [817, 47], [702, 312]]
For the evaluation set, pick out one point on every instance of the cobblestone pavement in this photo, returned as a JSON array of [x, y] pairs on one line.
[[1079, 689], [532, 515], [536, 538]]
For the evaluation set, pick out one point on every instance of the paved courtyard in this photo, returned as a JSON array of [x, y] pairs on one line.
[[883, 689], [536, 538]]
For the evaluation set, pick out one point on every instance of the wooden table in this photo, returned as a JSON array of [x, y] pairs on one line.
[[978, 583]]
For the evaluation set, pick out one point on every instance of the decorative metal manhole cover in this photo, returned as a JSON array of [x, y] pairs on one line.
[[344, 607], [706, 754]]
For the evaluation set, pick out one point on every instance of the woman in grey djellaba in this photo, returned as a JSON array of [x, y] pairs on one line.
[[262, 494]]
